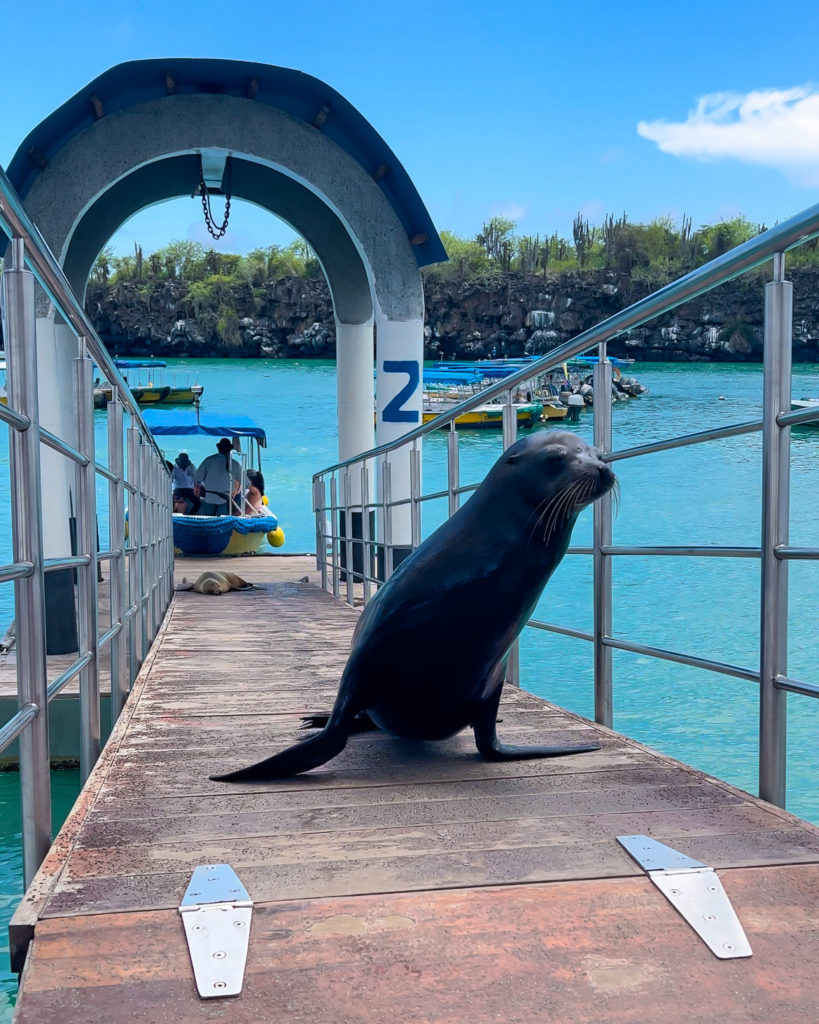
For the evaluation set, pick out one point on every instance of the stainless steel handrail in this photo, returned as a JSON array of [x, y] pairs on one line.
[[750, 254], [773, 553], [16, 223], [129, 633]]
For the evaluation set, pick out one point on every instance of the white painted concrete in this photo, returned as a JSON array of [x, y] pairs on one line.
[[56, 350], [355, 390], [399, 400]]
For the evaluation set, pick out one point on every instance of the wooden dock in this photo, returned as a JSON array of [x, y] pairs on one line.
[[399, 882]]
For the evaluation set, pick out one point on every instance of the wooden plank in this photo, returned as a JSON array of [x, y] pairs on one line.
[[603, 952], [269, 801], [394, 862]]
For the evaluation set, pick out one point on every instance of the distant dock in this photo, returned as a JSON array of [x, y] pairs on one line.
[[399, 882]]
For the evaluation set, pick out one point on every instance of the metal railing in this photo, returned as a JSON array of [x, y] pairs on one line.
[[140, 569], [363, 562]]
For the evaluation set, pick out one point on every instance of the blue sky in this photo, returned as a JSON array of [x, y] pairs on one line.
[[533, 111]]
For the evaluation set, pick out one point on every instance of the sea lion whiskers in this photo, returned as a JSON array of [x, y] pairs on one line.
[[547, 509], [615, 496], [561, 510], [540, 511]]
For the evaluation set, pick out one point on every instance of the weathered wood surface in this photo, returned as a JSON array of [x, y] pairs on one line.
[[400, 880], [258, 568]]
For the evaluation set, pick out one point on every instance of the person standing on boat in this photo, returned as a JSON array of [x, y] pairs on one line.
[[220, 480], [184, 487]]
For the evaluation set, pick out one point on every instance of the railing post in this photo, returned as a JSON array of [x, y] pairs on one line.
[[510, 435], [367, 554], [334, 537], [510, 422], [150, 539], [134, 541], [775, 515], [415, 495], [144, 549], [87, 574], [453, 469], [386, 496], [347, 540], [603, 698], [116, 568], [320, 506], [27, 543]]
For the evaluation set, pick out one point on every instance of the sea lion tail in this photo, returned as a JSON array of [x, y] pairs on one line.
[[301, 757]]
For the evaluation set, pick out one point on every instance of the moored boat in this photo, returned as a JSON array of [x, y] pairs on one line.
[[485, 416], [802, 404], [153, 388], [218, 535]]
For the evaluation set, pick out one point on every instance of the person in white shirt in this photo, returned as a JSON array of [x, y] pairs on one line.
[[221, 482], [185, 498]]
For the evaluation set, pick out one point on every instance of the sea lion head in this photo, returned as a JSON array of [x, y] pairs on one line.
[[556, 475]]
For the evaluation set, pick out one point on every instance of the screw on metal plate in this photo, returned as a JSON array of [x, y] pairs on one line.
[[216, 912], [695, 892]]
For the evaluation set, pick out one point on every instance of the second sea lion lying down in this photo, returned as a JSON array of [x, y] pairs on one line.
[[213, 582]]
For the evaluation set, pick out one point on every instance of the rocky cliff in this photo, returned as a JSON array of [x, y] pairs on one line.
[[508, 314]]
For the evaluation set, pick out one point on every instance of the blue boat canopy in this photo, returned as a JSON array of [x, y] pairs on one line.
[[591, 360], [185, 421], [130, 364], [465, 376]]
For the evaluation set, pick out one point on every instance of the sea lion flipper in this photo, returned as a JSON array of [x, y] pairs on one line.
[[361, 723], [236, 582], [491, 748], [301, 757]]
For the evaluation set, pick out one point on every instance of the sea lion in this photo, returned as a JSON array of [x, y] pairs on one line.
[[429, 652], [213, 582]]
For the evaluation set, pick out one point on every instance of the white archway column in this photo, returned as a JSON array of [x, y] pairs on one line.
[[399, 400], [355, 391], [355, 394], [56, 350]]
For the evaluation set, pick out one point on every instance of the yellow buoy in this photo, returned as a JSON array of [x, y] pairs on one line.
[[276, 537], [264, 500]]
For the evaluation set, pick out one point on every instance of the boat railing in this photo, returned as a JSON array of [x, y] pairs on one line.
[[140, 566], [354, 563]]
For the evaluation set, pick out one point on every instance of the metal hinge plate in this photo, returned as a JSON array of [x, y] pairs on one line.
[[695, 892], [216, 912]]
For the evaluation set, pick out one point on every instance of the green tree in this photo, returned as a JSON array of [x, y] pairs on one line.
[[101, 271]]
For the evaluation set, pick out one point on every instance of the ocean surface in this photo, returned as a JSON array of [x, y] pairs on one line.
[[708, 494]]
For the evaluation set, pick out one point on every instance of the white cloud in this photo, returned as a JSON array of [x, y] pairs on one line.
[[510, 210], [771, 127]]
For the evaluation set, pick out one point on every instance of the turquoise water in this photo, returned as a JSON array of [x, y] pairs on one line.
[[708, 494], [64, 788]]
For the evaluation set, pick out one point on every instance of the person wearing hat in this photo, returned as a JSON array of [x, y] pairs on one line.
[[220, 479]]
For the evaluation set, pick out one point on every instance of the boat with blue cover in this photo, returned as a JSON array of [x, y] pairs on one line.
[[218, 535], [152, 389]]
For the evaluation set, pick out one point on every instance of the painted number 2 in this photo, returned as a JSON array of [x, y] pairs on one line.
[[393, 410]]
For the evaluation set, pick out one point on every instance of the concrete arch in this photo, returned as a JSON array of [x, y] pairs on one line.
[[135, 136], [98, 158], [177, 176]]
